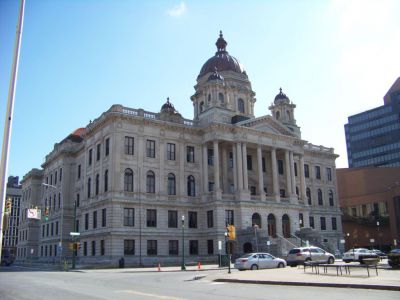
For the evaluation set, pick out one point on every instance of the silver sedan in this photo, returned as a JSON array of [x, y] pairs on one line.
[[255, 261]]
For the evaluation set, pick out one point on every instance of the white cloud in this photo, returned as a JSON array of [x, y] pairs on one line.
[[177, 10]]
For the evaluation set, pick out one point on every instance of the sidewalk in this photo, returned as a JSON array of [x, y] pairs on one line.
[[387, 279]]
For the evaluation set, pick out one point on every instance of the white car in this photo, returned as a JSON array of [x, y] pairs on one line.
[[358, 254], [255, 261]]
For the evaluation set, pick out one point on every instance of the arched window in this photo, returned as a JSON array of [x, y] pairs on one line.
[[128, 180], [297, 191], [256, 220], [201, 106], [320, 200], [171, 184], [106, 181], [271, 225], [150, 182], [331, 203], [241, 105], [285, 226], [221, 98], [277, 115], [89, 183], [97, 184], [191, 186], [308, 194]]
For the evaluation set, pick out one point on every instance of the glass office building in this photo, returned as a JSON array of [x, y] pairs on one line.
[[373, 136]]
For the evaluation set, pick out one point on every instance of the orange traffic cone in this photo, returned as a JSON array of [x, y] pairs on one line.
[[199, 266], [159, 267]]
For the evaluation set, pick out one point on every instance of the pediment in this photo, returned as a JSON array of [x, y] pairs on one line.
[[267, 124]]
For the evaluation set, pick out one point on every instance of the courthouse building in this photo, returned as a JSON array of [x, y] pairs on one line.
[[131, 178]]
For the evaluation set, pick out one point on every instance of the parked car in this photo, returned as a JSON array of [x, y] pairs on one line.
[[358, 254], [380, 253], [298, 256], [255, 261], [394, 258]]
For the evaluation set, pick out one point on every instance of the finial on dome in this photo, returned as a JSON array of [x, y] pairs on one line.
[[168, 100], [221, 43], [280, 90]]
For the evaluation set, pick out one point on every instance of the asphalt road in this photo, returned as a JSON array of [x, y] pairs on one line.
[[17, 283]]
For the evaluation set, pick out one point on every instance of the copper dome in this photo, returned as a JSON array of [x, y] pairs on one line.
[[222, 61]]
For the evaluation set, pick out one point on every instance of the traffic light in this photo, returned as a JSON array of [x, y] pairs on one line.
[[231, 232], [46, 214], [78, 245]]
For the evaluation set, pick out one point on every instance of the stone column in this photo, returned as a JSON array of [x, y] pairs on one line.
[[182, 177], [141, 179], [260, 173], [205, 169], [302, 181], [245, 172], [291, 160], [288, 176], [239, 165], [234, 167], [216, 167], [275, 180], [224, 166]]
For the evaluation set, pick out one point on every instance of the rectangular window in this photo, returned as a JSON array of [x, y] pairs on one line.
[[323, 223], [129, 145], [98, 153], [210, 219], [192, 219], [230, 160], [55, 178], [52, 229], [150, 148], [129, 247], [93, 248], [151, 247], [90, 156], [282, 193], [210, 186], [103, 217], [210, 247], [107, 147], [311, 219], [334, 224], [173, 246], [280, 166], [151, 218], [77, 200], [94, 219], [317, 172], [84, 248], [79, 171], [263, 164], [193, 247], [295, 169], [190, 154], [57, 228], [60, 174], [253, 190], [306, 171], [129, 217], [102, 247], [229, 220], [47, 230], [172, 219], [86, 221], [171, 151], [210, 157], [77, 226], [329, 174], [249, 163]]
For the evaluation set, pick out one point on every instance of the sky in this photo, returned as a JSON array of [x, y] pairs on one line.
[[333, 59]]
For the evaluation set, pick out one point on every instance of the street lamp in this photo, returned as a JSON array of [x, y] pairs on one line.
[[379, 244], [300, 225], [183, 267], [255, 226]]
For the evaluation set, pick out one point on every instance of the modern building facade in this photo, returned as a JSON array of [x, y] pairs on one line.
[[12, 215], [370, 201], [373, 136], [156, 187]]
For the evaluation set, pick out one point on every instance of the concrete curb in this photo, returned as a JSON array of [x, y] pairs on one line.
[[316, 284]]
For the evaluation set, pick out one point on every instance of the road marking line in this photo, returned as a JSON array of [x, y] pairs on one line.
[[150, 295]]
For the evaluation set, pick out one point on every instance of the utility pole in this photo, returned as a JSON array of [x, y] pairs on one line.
[[9, 115]]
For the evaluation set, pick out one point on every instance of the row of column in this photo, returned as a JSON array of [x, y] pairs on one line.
[[240, 173]]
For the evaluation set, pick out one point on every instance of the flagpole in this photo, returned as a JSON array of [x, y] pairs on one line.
[[9, 115]]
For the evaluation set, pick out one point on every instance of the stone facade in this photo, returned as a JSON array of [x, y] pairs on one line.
[[131, 176]]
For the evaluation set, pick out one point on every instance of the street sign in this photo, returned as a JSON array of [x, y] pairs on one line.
[[372, 241], [74, 233], [342, 241], [268, 243], [219, 245]]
